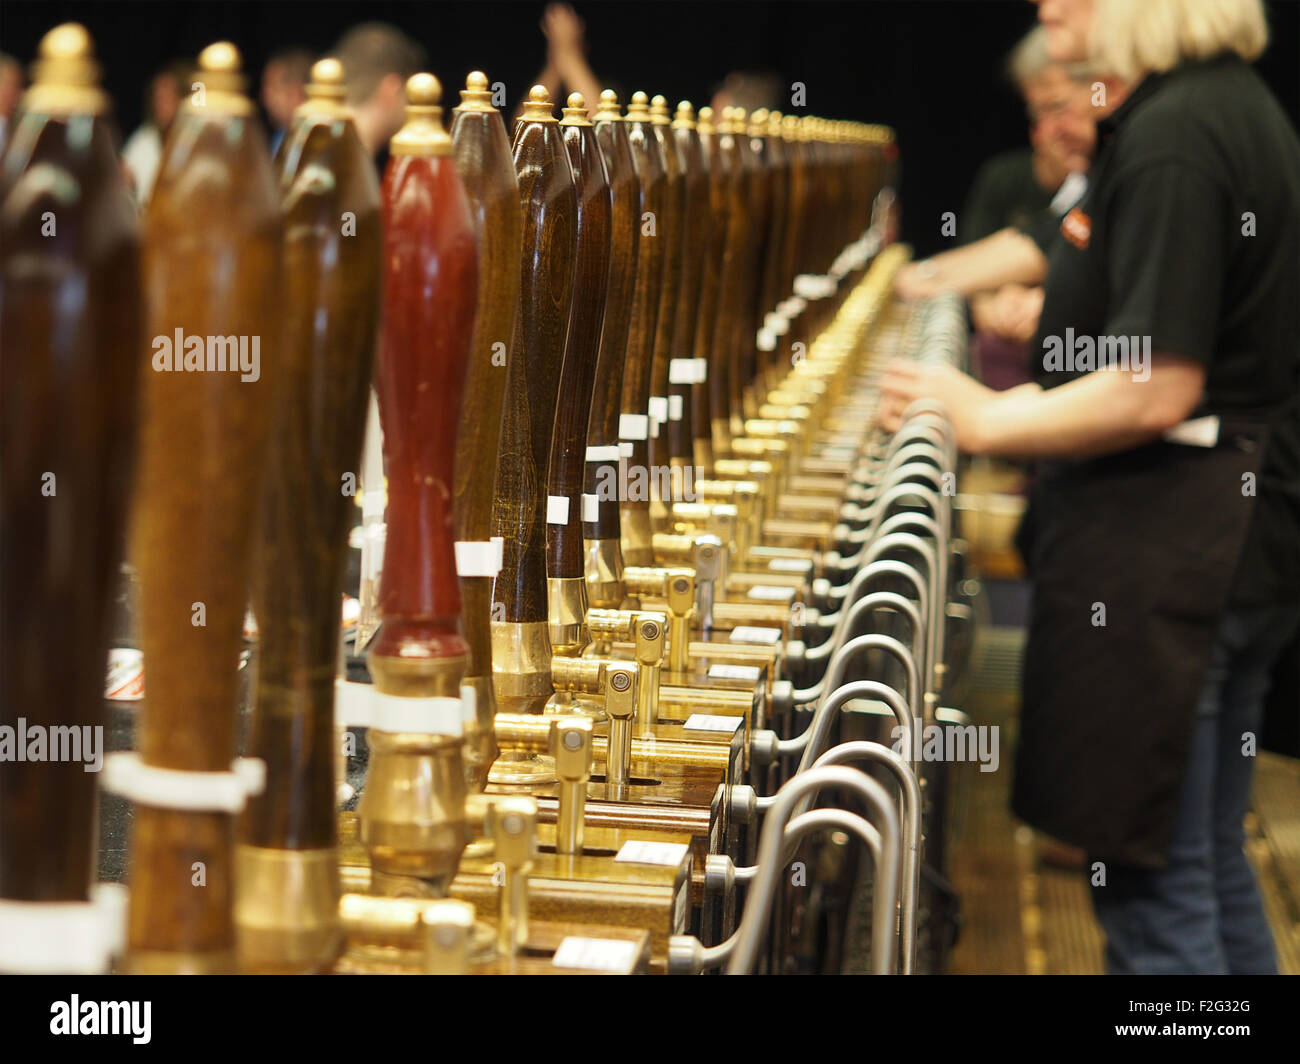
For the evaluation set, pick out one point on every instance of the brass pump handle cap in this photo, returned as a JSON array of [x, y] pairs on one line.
[[537, 108], [575, 112], [476, 95], [609, 109], [65, 76], [327, 80], [422, 132]]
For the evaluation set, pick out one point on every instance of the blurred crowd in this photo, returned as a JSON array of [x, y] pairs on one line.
[[378, 59]]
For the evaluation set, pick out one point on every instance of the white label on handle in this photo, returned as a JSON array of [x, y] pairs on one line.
[[709, 722], [667, 854], [590, 507], [767, 593], [674, 408], [624, 449], [658, 408], [557, 509], [479, 557], [359, 705], [701, 370], [595, 954], [633, 427], [602, 454], [1195, 432], [681, 371], [750, 634], [748, 673], [788, 565]]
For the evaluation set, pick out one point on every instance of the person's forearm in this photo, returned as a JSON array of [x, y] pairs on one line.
[[1006, 257], [1099, 413], [579, 77]]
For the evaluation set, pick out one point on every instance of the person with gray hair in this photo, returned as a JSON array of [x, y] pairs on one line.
[[1015, 186], [284, 87]]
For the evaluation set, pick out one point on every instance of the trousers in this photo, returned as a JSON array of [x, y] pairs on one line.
[[1202, 913]]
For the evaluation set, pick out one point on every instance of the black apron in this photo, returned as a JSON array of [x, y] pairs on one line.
[[1152, 535]]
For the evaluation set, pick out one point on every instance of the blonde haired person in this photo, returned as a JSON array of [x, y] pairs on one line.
[[1163, 536]]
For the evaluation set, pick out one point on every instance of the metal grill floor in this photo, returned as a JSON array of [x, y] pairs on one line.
[[1023, 916]]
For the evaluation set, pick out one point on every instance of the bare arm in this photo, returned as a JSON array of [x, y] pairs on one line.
[[1006, 257], [1099, 413], [564, 33]]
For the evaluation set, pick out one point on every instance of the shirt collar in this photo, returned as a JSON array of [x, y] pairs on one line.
[[1144, 89]]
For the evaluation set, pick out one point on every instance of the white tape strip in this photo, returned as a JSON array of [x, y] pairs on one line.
[[1196, 432], [748, 673], [658, 408], [372, 504], [590, 507], [709, 722], [359, 705], [602, 454], [624, 449], [701, 370], [750, 634], [767, 339], [479, 557], [665, 854], [674, 408], [63, 937], [633, 427], [557, 509], [767, 593], [595, 954], [681, 371], [789, 565], [127, 775]]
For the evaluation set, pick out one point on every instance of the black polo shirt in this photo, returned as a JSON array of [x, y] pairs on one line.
[[1190, 234], [1005, 193]]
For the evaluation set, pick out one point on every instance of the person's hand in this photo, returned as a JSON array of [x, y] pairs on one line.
[[963, 397], [1022, 310], [984, 312], [917, 280], [1010, 313], [564, 30]]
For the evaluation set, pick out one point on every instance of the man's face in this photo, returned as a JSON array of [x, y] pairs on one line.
[[11, 87], [166, 100], [281, 94], [1062, 124]]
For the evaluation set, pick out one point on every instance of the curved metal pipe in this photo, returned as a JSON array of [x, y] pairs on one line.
[[860, 580], [925, 525], [910, 787], [881, 472], [814, 736], [884, 930], [828, 650], [800, 827]]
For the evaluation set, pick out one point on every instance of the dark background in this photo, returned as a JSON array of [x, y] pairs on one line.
[[929, 68]]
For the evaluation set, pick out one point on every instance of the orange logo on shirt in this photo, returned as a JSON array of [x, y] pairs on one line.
[[1076, 227]]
